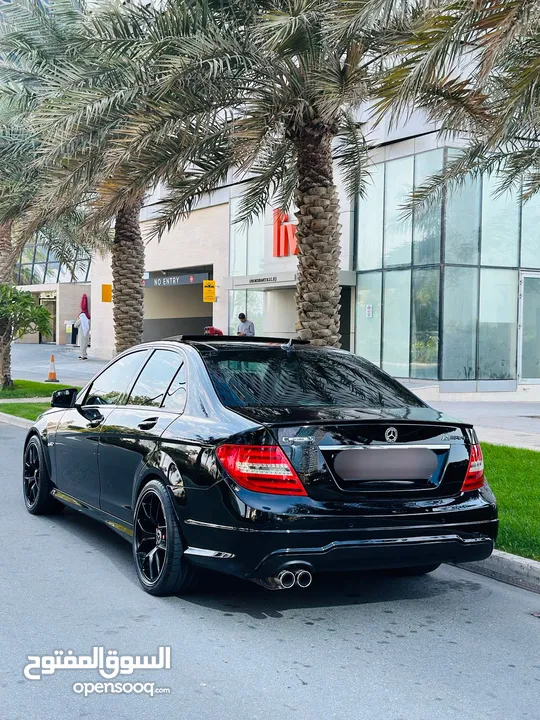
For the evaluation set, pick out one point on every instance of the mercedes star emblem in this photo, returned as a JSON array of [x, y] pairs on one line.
[[391, 434]]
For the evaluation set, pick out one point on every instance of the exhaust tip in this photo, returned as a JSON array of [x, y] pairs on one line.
[[304, 578], [286, 579]]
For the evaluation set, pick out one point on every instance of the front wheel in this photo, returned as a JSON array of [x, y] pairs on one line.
[[157, 544]]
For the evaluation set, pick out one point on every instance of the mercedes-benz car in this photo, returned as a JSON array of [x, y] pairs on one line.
[[268, 459]]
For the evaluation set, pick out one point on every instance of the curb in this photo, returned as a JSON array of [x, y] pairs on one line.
[[508, 568], [16, 421]]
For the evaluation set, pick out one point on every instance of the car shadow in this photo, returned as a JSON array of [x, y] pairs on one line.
[[233, 596]]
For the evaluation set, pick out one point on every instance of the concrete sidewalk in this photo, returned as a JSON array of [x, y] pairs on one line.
[[31, 362]]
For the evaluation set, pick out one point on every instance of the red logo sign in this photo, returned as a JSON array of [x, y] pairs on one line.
[[191, 278], [284, 235]]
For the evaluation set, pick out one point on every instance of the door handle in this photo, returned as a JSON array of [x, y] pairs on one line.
[[148, 424]]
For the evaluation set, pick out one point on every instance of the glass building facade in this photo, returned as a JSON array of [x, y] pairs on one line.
[[438, 293], [38, 265]]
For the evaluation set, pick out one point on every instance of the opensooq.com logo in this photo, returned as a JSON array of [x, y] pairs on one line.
[[109, 664]]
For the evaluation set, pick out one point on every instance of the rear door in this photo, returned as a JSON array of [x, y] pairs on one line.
[[131, 432]]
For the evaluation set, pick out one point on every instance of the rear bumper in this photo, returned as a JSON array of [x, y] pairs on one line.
[[260, 554]]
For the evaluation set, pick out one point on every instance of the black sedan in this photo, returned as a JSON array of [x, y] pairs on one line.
[[267, 459]]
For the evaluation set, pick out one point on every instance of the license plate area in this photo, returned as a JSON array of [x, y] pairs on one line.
[[386, 469]]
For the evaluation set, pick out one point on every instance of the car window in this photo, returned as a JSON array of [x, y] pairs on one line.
[[155, 378], [111, 387], [176, 396], [303, 377]]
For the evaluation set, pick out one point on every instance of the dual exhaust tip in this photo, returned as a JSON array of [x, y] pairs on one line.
[[286, 579]]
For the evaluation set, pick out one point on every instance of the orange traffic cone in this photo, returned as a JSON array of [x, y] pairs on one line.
[[52, 372]]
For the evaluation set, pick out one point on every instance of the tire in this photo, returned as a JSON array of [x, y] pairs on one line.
[[414, 571], [158, 550], [37, 484]]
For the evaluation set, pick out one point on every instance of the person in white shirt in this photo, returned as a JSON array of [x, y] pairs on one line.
[[83, 326], [245, 326]]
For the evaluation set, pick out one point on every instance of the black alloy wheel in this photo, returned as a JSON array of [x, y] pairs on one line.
[[37, 485], [158, 549], [151, 537]]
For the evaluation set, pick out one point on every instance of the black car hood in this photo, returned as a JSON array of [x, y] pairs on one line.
[[309, 415]]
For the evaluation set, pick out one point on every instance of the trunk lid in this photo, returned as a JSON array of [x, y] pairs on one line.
[[348, 454]]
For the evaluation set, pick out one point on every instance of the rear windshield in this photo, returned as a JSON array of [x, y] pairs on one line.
[[302, 377]]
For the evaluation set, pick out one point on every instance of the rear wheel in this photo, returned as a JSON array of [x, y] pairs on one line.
[[414, 571], [157, 544], [37, 484]]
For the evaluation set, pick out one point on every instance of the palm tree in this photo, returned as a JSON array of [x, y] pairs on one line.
[[44, 53], [473, 68], [281, 92]]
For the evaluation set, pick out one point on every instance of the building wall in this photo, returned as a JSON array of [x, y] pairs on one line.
[[68, 306], [202, 239]]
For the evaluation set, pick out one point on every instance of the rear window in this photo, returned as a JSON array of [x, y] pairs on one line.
[[302, 378]]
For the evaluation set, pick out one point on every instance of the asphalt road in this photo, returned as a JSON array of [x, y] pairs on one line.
[[449, 646]]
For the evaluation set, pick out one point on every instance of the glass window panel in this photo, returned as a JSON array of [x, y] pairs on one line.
[[370, 222], [368, 316], [396, 322], [255, 246], [51, 276], [460, 306], [397, 230], [500, 226], [462, 222], [498, 324], [238, 243], [41, 254], [530, 346], [427, 222], [27, 255], [25, 277], [111, 387], [80, 272], [155, 378], [530, 235], [65, 274], [237, 304], [255, 310], [16, 272], [425, 324], [38, 274]]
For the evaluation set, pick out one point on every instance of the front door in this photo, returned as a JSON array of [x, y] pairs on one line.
[[77, 435], [529, 329]]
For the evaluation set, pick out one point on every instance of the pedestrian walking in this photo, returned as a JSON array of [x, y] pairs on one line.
[[83, 326], [245, 326]]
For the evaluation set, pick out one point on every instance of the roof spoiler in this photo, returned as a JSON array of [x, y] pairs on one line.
[[234, 338]]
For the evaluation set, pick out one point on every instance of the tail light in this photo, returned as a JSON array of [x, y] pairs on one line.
[[260, 468], [475, 472]]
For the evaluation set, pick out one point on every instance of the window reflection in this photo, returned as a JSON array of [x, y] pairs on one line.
[[425, 324], [459, 323], [397, 229], [498, 324]]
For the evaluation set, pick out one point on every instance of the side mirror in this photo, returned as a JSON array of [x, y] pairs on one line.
[[64, 398]]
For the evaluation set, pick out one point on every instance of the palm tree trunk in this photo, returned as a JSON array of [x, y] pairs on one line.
[[6, 277], [128, 270], [318, 238]]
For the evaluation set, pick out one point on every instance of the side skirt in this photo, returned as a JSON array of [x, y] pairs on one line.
[[121, 527]]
